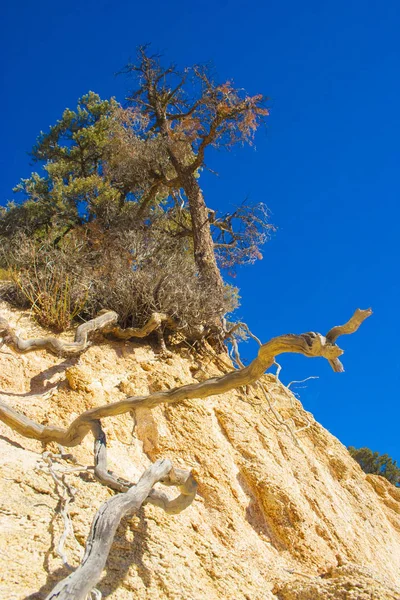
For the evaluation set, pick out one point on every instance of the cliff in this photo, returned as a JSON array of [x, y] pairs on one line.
[[282, 510]]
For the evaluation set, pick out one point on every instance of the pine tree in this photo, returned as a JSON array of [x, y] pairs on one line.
[[377, 464]]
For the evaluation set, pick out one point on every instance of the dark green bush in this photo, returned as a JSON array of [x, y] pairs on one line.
[[376, 464]]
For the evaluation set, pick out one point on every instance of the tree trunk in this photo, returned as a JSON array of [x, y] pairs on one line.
[[202, 240]]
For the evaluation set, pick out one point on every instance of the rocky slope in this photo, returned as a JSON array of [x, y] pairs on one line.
[[277, 516]]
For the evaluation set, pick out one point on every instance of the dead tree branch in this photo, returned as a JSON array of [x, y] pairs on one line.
[[105, 523], [106, 322], [309, 344]]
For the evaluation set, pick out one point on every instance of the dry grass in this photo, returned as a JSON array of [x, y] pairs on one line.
[[51, 297], [131, 272], [5, 275]]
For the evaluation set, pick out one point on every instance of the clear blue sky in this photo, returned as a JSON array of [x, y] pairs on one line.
[[327, 164]]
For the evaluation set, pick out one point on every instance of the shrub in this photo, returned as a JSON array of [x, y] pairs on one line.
[[135, 272], [377, 464]]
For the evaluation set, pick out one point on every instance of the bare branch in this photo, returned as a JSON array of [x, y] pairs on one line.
[[309, 344], [107, 323], [105, 523], [350, 327], [301, 380]]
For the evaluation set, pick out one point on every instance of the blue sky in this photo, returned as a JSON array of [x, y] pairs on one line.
[[326, 165]]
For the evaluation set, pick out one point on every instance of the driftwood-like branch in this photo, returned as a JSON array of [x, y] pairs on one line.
[[106, 322], [153, 324], [309, 344], [53, 344], [179, 478], [104, 526], [350, 327]]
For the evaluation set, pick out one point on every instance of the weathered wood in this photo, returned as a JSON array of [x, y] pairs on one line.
[[178, 477], [79, 583], [309, 344], [106, 322], [350, 327], [53, 344], [154, 323]]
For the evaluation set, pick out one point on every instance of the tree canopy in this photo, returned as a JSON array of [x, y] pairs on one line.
[[117, 197], [377, 464]]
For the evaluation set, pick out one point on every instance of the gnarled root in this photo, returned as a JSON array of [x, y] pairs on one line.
[[131, 498], [106, 322], [153, 324], [55, 345], [79, 584], [179, 478], [309, 344]]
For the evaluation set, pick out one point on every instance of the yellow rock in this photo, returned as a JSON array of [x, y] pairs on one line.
[[273, 519]]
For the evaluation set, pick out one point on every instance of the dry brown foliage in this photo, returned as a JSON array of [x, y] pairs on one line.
[[133, 272]]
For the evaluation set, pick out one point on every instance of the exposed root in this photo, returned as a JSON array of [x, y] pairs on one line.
[[180, 478], [55, 345], [301, 381], [79, 584], [278, 369], [94, 594], [66, 495], [105, 322], [261, 386], [309, 344], [280, 420], [153, 324]]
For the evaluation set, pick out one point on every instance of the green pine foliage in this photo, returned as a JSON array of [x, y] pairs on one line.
[[377, 464], [71, 186]]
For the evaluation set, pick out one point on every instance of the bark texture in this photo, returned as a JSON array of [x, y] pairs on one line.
[[203, 243]]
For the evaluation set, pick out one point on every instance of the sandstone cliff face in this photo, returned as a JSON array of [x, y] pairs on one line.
[[273, 519]]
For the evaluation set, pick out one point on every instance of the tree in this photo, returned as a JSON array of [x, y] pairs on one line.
[[188, 112], [376, 464], [118, 207]]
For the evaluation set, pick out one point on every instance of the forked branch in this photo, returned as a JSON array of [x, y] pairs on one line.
[[106, 322], [105, 523]]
